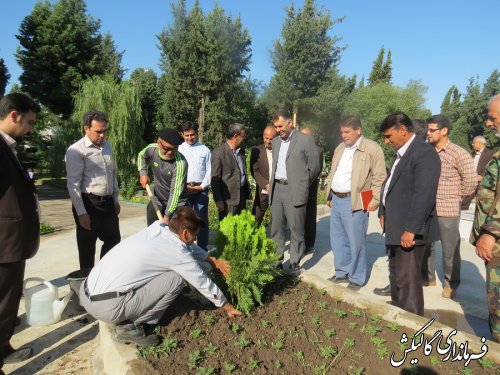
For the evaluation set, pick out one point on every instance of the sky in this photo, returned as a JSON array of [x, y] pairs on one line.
[[439, 42]]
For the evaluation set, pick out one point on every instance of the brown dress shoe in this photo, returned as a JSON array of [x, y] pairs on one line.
[[448, 292], [429, 283]]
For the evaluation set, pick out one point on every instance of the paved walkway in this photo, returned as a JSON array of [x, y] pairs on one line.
[[66, 347]]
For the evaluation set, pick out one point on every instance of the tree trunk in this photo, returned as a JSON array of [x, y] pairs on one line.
[[201, 118]]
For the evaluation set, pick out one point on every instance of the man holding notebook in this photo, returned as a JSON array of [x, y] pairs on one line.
[[356, 175]]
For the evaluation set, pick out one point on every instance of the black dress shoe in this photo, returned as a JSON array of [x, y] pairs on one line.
[[354, 287], [18, 321], [338, 280], [383, 291], [309, 251], [18, 355]]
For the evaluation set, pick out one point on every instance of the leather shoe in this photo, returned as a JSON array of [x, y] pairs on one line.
[[294, 267], [386, 291], [309, 251], [18, 355], [448, 292], [429, 283], [354, 287], [339, 280]]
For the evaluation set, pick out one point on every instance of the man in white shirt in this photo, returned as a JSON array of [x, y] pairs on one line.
[[198, 177], [93, 188], [358, 165], [139, 286]]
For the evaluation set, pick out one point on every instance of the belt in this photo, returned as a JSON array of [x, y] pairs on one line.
[[102, 296], [98, 197], [194, 183], [282, 182], [342, 195]]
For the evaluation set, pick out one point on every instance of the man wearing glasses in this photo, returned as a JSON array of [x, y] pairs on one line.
[[93, 188], [169, 171], [457, 180]]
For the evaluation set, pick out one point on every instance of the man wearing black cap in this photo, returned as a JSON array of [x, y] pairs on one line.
[[169, 171]]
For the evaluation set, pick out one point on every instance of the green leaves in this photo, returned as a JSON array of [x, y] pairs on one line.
[[251, 256]]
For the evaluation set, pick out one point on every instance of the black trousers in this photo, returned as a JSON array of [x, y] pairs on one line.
[[260, 205], [311, 213], [104, 225], [405, 275], [234, 210], [11, 286]]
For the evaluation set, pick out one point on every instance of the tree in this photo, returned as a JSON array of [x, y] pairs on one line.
[[451, 103], [381, 71], [146, 83], [304, 55], [4, 77], [60, 46], [203, 58], [108, 60]]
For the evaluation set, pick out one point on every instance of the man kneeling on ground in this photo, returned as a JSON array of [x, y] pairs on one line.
[[141, 277]]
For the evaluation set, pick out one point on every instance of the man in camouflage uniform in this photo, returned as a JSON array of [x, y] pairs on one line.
[[486, 228]]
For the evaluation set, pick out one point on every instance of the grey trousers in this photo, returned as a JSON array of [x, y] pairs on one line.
[[450, 245], [283, 213], [142, 305]]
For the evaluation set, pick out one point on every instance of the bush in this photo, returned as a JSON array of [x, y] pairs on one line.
[[251, 256]]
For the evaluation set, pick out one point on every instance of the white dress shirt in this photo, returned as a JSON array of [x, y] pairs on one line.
[[199, 167], [341, 180], [281, 164]]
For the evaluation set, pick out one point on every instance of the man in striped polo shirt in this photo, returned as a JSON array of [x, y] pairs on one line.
[[457, 180], [169, 172]]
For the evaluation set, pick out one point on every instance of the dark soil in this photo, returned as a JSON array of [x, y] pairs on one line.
[[298, 330]]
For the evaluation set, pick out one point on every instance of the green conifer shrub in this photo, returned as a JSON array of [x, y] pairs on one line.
[[251, 256]]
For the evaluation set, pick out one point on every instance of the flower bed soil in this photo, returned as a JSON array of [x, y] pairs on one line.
[[298, 330]]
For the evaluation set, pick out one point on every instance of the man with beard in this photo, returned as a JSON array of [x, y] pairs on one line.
[[486, 227], [169, 172]]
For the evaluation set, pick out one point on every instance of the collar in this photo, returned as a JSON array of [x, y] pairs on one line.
[[289, 137], [444, 147], [401, 152], [11, 142], [88, 143], [354, 146]]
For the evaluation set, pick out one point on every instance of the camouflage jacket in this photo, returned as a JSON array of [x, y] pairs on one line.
[[485, 198]]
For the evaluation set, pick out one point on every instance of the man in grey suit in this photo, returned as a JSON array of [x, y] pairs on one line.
[[295, 168], [229, 174]]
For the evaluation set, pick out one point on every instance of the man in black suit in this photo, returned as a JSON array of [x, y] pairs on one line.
[[408, 209], [229, 174], [261, 161], [19, 217]]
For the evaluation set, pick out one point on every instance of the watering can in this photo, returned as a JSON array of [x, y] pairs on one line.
[[43, 306]]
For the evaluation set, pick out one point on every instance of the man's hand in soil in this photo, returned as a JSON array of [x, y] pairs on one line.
[[220, 265], [231, 312]]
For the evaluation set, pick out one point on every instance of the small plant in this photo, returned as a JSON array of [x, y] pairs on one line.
[[382, 352], [320, 370], [358, 371], [378, 341], [402, 346], [485, 363], [371, 330], [393, 326], [434, 360], [242, 342], [340, 313], [253, 364], [229, 367], [194, 358], [205, 371], [281, 335], [301, 310], [211, 348], [209, 319], [278, 345], [275, 314], [316, 321], [327, 351], [330, 332], [356, 312], [322, 292], [305, 297], [321, 305], [195, 333], [466, 371], [235, 327], [300, 356], [46, 228], [282, 302], [265, 323], [376, 319], [338, 299], [278, 364], [349, 342]]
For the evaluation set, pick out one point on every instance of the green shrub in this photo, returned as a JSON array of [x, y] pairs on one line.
[[251, 256]]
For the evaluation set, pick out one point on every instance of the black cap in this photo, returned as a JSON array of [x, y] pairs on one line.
[[171, 136]]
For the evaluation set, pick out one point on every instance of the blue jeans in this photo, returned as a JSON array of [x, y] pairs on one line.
[[199, 202], [348, 240]]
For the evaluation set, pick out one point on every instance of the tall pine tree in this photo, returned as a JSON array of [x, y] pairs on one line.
[[4, 77], [381, 71]]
